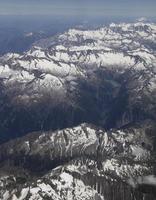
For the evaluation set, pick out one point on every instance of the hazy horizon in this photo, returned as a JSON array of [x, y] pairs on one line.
[[122, 8]]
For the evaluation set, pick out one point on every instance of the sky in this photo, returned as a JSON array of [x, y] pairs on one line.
[[128, 8]]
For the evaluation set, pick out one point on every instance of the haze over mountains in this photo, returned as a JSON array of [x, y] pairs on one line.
[[15, 29], [77, 114]]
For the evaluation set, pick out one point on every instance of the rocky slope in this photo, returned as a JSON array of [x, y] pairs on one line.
[[83, 162]]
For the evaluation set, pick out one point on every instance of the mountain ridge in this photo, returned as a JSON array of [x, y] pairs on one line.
[[116, 157]]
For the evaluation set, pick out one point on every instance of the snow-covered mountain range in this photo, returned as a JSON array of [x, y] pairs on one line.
[[62, 85], [56, 61]]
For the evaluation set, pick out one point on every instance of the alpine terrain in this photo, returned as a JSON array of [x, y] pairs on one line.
[[77, 116]]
